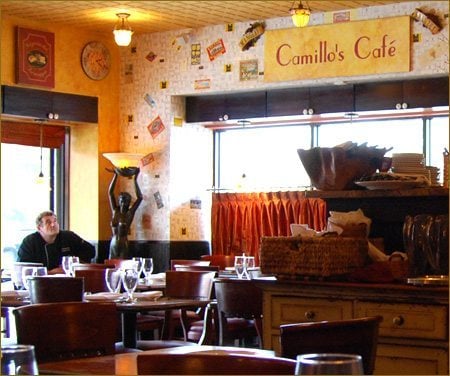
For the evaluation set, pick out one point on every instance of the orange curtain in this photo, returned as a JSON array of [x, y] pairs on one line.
[[239, 220]]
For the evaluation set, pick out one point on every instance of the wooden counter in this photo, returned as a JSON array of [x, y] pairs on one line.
[[387, 208], [414, 332]]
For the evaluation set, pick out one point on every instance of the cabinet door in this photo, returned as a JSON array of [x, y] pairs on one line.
[[378, 96], [331, 99], [205, 108], [72, 107], [26, 102], [430, 92], [286, 102], [245, 105]]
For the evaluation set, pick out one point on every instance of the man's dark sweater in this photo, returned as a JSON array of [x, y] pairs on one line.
[[67, 243]]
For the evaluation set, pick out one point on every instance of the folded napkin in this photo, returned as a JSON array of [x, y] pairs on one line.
[[148, 295], [103, 296]]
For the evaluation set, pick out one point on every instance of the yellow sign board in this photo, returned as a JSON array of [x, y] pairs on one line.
[[344, 49]]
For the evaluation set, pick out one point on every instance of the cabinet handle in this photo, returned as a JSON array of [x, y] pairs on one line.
[[310, 315], [398, 320]]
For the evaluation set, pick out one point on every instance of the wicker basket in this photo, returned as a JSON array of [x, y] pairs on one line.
[[300, 257]]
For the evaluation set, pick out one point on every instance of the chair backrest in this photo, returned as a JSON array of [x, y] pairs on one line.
[[174, 262], [354, 336], [189, 284], [67, 330], [212, 364], [56, 289], [222, 261], [94, 279], [238, 298], [81, 266]]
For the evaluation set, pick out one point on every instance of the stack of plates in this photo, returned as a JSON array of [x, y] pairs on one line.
[[434, 175], [409, 163]]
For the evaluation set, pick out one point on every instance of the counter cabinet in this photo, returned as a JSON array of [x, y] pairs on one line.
[[413, 337]]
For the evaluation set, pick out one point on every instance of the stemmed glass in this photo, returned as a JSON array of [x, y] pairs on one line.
[[147, 268], [139, 264], [239, 266], [30, 272], [27, 273], [67, 264], [130, 279], [249, 265], [113, 279]]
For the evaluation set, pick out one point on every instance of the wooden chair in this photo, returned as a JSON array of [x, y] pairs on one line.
[[56, 289], [222, 261], [212, 364], [94, 278], [239, 306], [186, 284], [174, 262], [354, 336], [67, 329]]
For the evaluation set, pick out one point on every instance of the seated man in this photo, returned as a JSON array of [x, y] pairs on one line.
[[48, 244]]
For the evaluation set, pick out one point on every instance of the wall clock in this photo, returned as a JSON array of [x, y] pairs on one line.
[[96, 60]]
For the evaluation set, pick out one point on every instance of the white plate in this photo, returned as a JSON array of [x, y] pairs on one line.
[[390, 184]]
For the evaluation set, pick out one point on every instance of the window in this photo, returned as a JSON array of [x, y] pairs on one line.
[[265, 158], [24, 195]]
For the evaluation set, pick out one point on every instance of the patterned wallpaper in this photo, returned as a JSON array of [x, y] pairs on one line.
[[157, 70]]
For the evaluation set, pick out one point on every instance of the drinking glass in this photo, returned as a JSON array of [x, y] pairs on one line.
[[75, 260], [239, 266], [19, 360], [40, 271], [66, 264], [139, 264], [27, 273], [249, 265], [147, 268], [329, 364], [113, 279], [130, 279]]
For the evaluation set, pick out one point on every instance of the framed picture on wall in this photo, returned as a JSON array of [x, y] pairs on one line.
[[35, 58], [248, 70]]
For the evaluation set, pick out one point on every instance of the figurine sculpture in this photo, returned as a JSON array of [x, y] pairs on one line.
[[122, 213]]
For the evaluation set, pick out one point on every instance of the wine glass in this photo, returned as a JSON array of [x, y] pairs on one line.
[[75, 260], [147, 268], [40, 271], [19, 360], [27, 273], [130, 279], [239, 266], [249, 265], [113, 279], [139, 264], [66, 264], [329, 364]]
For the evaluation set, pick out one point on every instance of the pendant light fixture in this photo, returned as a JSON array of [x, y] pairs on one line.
[[122, 30], [40, 179], [300, 15]]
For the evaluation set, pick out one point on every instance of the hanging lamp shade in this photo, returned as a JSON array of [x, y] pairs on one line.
[[122, 31], [300, 15]]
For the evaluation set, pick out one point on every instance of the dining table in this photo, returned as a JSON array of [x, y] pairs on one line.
[[125, 363], [128, 310]]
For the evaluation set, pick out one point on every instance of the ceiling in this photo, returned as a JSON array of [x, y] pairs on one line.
[[154, 16]]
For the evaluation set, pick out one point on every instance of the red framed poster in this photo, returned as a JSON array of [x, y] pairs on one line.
[[35, 61]]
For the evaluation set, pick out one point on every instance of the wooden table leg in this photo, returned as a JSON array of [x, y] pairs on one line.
[[129, 335]]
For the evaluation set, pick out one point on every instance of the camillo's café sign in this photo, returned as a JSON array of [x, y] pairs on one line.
[[344, 49]]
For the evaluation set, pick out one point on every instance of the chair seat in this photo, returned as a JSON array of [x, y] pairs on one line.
[[237, 328]]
